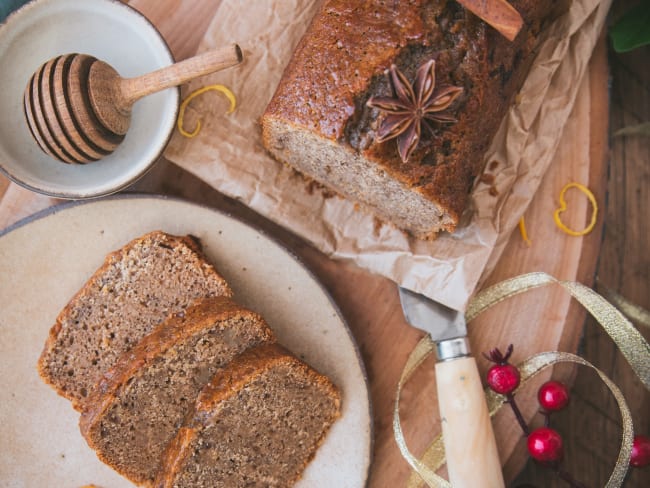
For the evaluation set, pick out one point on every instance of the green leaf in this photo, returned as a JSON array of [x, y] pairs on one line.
[[632, 30]]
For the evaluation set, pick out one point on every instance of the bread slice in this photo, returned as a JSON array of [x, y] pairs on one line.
[[257, 423], [136, 288], [319, 122], [142, 401]]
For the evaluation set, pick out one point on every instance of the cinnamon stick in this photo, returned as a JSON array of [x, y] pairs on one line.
[[497, 13]]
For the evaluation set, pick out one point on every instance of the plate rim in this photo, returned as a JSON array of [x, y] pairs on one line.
[[71, 204]]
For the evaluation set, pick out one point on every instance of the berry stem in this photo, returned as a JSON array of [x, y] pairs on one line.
[[510, 399], [566, 476]]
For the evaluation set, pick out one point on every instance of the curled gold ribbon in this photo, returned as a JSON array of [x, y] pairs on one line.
[[629, 340], [632, 344], [635, 313]]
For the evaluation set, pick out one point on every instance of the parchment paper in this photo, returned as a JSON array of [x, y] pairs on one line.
[[228, 153]]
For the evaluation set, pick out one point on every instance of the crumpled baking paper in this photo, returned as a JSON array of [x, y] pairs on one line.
[[228, 153]]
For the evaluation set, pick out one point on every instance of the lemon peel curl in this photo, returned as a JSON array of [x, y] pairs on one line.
[[563, 207], [181, 113]]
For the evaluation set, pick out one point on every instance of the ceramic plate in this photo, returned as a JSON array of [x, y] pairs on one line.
[[45, 260], [110, 31]]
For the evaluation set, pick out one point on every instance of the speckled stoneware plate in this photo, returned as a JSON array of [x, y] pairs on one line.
[[47, 258], [110, 31]]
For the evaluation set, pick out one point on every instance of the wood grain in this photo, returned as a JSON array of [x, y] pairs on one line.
[[591, 426], [60, 115], [370, 303], [92, 138], [132, 89]]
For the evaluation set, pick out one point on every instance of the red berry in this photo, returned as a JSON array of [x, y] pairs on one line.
[[553, 396], [503, 378], [545, 445], [640, 456]]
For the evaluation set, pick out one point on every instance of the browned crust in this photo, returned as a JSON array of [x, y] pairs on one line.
[[226, 383], [202, 315], [174, 457], [245, 367], [189, 241], [381, 33]]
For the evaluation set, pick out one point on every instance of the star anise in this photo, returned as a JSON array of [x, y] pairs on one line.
[[413, 106]]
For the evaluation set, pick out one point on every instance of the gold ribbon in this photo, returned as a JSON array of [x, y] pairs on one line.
[[633, 312], [631, 343]]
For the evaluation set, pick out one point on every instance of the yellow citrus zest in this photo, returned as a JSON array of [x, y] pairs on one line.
[[522, 231], [594, 214], [181, 113]]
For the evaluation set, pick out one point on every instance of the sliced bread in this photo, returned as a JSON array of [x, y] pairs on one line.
[[140, 403], [258, 422], [136, 288]]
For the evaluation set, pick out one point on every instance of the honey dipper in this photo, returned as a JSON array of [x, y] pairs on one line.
[[78, 108]]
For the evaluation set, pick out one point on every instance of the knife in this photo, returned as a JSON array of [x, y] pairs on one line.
[[470, 447]]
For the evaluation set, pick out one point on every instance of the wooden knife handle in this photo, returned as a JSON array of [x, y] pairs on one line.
[[471, 451]]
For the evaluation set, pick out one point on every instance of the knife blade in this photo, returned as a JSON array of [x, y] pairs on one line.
[[470, 446]]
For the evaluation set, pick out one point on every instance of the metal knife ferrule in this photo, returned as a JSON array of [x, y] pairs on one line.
[[445, 325], [455, 348]]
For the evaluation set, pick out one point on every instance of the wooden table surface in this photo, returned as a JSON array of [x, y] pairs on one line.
[[591, 427]]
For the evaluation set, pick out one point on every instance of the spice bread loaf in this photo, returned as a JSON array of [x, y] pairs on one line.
[[142, 401], [393, 104], [258, 422], [136, 288]]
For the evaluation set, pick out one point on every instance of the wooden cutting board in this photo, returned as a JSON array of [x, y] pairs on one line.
[[540, 320]]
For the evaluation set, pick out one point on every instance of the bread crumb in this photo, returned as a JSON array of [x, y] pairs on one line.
[[314, 186], [377, 224]]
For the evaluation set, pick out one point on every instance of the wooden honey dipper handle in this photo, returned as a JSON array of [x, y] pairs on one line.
[[112, 96], [132, 89]]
